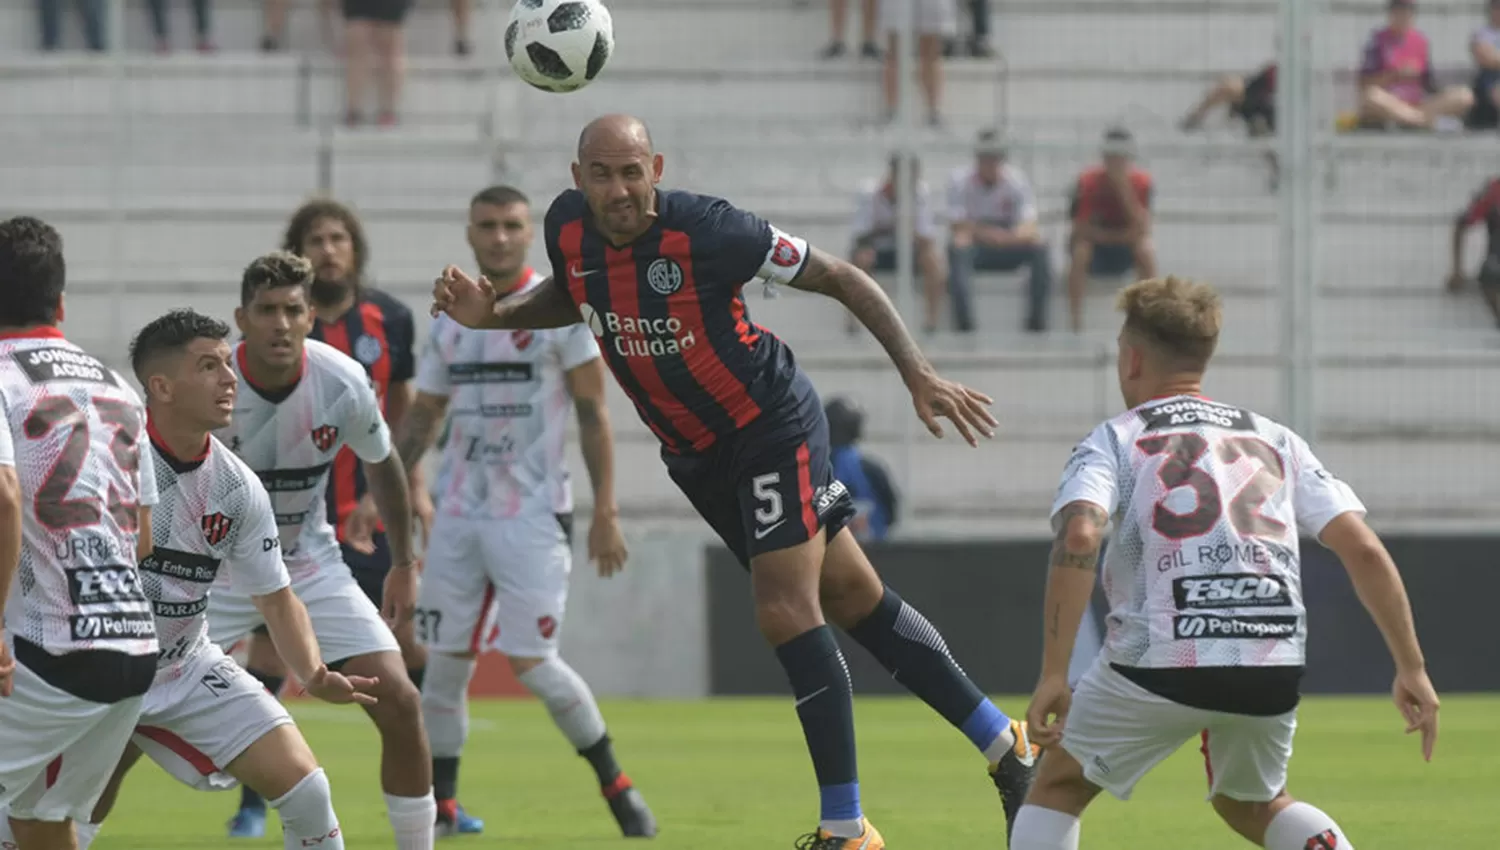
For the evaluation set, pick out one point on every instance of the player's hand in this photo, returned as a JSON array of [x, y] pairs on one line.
[[967, 409], [1048, 711], [339, 689], [470, 302], [399, 595], [607, 544], [359, 527], [7, 668], [1417, 701], [423, 512]]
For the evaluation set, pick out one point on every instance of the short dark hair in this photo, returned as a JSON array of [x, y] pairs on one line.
[[500, 196], [32, 272], [170, 334], [316, 210], [276, 269]]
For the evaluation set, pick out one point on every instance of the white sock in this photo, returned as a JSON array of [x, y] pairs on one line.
[[87, 831], [1044, 829], [1003, 743], [1304, 827], [445, 703], [412, 820], [568, 700], [307, 817]]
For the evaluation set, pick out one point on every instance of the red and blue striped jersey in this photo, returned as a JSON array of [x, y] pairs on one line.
[[379, 334], [670, 316]]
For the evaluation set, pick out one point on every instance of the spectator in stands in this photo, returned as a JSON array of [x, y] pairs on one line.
[[374, 44], [874, 230], [992, 218], [1396, 82], [1484, 46], [1251, 99], [932, 22], [273, 37], [463, 13], [978, 44], [870, 488], [838, 14], [92, 13], [1485, 207], [160, 19], [1111, 212]]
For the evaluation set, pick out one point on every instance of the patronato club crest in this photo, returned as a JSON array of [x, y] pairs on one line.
[[664, 276], [216, 527], [522, 339], [324, 436]]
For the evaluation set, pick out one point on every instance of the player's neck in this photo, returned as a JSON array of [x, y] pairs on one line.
[[270, 379], [506, 283], [182, 441], [1171, 388]]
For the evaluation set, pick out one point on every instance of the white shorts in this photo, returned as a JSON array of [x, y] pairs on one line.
[[345, 621], [1119, 731], [928, 17], [491, 584], [196, 724], [57, 751]]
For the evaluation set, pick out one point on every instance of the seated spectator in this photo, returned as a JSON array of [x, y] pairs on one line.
[[992, 219], [92, 13], [838, 14], [374, 44], [160, 18], [1484, 46], [875, 238], [932, 23], [1396, 82], [1252, 100], [1484, 208], [875, 501], [1111, 212]]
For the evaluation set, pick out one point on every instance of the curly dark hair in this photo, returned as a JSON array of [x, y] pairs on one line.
[[170, 334], [276, 269], [32, 272], [314, 211]]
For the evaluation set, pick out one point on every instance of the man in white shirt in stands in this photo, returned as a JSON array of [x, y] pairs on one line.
[[874, 227], [993, 216]]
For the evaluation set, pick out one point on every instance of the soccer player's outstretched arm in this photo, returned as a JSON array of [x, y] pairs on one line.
[[1080, 514], [932, 395], [474, 304], [1328, 510]]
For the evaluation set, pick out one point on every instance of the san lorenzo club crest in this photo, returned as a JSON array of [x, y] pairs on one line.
[[216, 527], [367, 350], [664, 276]]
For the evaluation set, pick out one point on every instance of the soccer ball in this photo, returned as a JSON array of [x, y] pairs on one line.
[[559, 45]]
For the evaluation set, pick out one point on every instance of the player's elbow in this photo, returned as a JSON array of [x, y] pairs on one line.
[[1354, 543]]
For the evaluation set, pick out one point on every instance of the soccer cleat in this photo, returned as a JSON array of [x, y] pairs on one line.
[[629, 809], [1014, 773], [248, 823], [453, 820], [820, 840]]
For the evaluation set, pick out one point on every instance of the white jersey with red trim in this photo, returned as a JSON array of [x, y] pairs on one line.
[[1203, 568], [290, 438], [213, 512], [508, 408], [73, 435]]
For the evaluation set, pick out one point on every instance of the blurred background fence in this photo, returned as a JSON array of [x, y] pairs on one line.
[[168, 171]]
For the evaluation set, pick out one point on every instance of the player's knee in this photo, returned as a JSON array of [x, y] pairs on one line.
[[44, 835], [521, 666], [1081, 251], [1249, 819], [783, 617]]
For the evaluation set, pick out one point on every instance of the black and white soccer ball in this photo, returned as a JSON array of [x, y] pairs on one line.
[[559, 45]]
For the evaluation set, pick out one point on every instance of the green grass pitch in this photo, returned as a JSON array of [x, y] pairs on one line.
[[732, 774]]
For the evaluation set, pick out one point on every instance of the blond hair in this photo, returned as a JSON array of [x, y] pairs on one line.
[[1178, 318]]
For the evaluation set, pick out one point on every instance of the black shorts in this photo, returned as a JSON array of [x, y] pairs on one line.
[[1483, 115], [1258, 108], [380, 11], [769, 486], [369, 570]]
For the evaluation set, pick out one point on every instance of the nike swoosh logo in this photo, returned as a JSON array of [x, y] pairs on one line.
[[810, 696], [760, 534], [576, 273]]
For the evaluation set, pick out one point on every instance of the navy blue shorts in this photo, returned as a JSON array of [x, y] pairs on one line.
[[769, 486]]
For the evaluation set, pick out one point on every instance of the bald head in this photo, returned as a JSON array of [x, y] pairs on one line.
[[616, 134]]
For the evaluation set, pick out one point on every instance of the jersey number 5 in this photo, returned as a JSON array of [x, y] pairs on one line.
[[53, 507], [1180, 469]]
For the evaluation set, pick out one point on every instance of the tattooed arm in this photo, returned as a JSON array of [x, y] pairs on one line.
[[1070, 581], [419, 428], [932, 395]]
